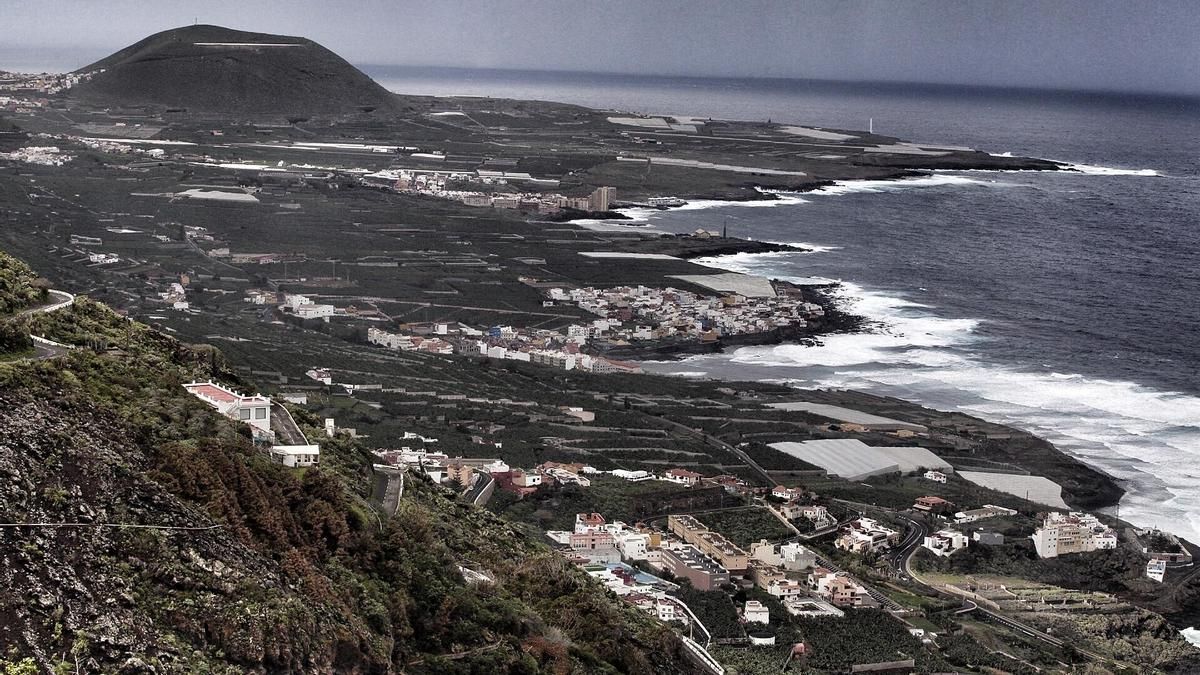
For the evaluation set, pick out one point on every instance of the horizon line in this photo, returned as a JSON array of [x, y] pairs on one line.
[[981, 87], [1109, 93]]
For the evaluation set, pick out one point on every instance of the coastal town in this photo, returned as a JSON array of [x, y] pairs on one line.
[[628, 316], [811, 558], [368, 384]]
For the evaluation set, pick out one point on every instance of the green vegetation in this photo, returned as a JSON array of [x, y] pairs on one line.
[[966, 649], [746, 526], [20, 287], [1108, 571], [297, 577], [833, 646], [773, 460], [714, 609], [1159, 542], [864, 636], [554, 508]]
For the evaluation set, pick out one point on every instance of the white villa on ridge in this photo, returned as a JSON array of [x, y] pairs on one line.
[[253, 410]]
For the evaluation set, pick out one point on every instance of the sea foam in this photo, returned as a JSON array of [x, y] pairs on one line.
[[844, 187], [1093, 170], [1149, 438]]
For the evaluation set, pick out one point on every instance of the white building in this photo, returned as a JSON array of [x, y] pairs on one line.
[[586, 523], [297, 455], [1156, 569], [633, 476], [796, 557], [987, 511], [682, 477], [1066, 533], [253, 410], [756, 612], [634, 545], [313, 311], [786, 588], [818, 514], [390, 340], [666, 610], [865, 535], [946, 542], [935, 476]]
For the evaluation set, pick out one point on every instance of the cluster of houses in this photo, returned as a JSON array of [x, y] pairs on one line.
[[626, 315], [1164, 551], [43, 83], [20, 104], [45, 155], [543, 347], [465, 471], [1067, 533], [449, 185], [794, 504], [633, 313], [866, 535], [708, 561]]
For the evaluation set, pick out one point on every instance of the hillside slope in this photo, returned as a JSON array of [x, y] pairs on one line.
[[214, 69], [248, 566]]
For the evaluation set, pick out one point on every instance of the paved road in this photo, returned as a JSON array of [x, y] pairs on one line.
[[900, 556], [901, 561], [285, 427], [59, 299], [43, 348], [481, 492]]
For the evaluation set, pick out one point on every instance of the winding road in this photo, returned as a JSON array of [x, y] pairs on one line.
[[44, 348]]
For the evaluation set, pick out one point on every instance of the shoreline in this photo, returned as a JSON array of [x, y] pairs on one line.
[[1116, 493], [1109, 499], [835, 321]]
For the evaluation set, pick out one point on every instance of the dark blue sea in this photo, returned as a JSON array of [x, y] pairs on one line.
[[1067, 304]]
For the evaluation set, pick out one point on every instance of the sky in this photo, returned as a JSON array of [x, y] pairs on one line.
[[1151, 46]]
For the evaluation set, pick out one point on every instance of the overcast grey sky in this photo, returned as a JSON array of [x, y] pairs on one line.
[[1077, 44]]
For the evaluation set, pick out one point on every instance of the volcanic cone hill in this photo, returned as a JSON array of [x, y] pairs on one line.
[[211, 69]]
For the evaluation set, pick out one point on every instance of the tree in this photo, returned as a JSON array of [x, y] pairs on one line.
[[13, 338]]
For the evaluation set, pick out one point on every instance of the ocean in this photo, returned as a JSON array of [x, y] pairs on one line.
[[1066, 304]]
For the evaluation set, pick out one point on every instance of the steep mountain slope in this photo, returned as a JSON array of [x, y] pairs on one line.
[[19, 285], [215, 69], [141, 532]]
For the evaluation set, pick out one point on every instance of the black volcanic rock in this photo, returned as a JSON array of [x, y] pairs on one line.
[[219, 70]]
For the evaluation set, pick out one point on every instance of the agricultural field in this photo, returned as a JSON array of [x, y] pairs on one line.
[[1091, 621], [746, 526]]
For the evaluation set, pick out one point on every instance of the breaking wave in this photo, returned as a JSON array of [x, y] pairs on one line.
[[1093, 170], [844, 187], [1147, 437]]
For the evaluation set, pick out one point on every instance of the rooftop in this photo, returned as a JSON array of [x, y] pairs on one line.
[[849, 415], [220, 394]]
